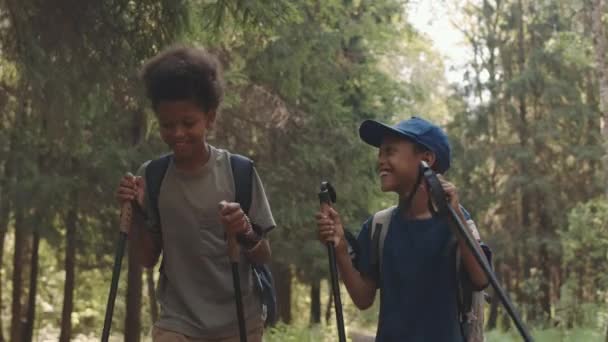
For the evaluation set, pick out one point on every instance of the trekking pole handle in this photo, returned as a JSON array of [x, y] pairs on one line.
[[327, 195], [126, 214], [234, 250]]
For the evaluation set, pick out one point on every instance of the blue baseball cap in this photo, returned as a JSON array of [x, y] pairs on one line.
[[415, 129]]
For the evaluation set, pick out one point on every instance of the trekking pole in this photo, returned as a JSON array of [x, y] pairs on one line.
[[234, 255], [443, 208], [327, 196], [125, 224]]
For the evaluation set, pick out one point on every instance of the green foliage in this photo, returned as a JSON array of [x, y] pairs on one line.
[[356, 321], [550, 335], [571, 311], [585, 238], [584, 243], [527, 142], [303, 334], [283, 332], [300, 78]]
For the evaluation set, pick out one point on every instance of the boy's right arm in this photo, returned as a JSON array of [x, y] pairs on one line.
[[132, 189], [362, 289], [149, 250]]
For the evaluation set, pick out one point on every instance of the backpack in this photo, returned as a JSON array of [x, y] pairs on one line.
[[242, 172], [469, 302]]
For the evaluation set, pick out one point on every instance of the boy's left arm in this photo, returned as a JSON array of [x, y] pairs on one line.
[[256, 247], [255, 243], [476, 273]]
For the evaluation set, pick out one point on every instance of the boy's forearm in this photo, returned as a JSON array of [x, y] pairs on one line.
[[260, 253], [475, 271], [147, 248], [361, 290]]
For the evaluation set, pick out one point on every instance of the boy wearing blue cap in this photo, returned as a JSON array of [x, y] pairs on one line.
[[410, 262]]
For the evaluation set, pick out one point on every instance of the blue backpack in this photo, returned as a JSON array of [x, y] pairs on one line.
[[242, 172]]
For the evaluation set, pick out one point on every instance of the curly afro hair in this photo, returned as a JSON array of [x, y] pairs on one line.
[[184, 73]]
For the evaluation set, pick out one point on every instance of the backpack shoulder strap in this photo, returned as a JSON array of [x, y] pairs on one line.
[[378, 230], [242, 172], [155, 173]]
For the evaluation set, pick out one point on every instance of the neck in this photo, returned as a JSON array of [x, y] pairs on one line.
[[197, 160], [418, 208]]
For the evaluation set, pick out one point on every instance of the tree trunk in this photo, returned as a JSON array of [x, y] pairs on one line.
[[3, 227], [556, 281], [495, 301], [545, 262], [315, 302], [493, 316], [523, 120], [580, 285], [599, 42], [20, 237], [134, 286], [330, 301], [524, 164], [16, 310], [31, 311], [283, 288], [70, 261], [152, 294], [505, 318], [4, 216]]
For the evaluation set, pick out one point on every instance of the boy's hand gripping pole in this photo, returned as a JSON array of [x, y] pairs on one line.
[[126, 214], [234, 254], [442, 207], [327, 196]]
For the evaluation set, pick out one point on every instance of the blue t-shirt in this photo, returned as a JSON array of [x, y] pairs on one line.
[[418, 285]]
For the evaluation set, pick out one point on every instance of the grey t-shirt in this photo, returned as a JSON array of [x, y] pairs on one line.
[[195, 289]]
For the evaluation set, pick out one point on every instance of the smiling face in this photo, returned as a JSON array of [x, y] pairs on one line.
[[398, 164], [184, 127]]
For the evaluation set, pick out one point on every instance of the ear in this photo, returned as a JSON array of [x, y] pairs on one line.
[[210, 118], [429, 158]]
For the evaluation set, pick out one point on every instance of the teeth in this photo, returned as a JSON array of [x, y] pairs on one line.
[[383, 173]]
